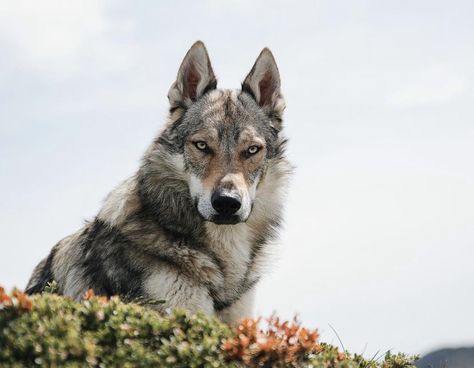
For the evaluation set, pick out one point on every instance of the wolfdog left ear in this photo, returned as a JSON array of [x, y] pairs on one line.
[[195, 77], [263, 84]]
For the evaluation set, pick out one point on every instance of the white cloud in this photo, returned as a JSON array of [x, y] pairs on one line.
[[56, 35], [434, 85]]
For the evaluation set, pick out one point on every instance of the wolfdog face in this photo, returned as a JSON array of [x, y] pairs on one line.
[[225, 154], [225, 139]]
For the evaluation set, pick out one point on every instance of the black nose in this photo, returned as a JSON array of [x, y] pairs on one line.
[[225, 203]]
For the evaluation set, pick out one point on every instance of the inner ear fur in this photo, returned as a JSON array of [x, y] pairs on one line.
[[195, 77], [263, 84]]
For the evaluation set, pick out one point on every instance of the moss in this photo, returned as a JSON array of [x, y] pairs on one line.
[[52, 331]]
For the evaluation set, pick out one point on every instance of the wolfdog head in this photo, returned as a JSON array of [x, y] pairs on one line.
[[223, 140]]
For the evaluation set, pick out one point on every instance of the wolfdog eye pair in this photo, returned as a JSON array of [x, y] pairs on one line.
[[202, 146]]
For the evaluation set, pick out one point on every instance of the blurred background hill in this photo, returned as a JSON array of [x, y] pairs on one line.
[[448, 358]]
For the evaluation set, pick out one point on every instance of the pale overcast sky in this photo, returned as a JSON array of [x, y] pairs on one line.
[[379, 236]]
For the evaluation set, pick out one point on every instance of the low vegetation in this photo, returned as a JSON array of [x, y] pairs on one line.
[[48, 330]]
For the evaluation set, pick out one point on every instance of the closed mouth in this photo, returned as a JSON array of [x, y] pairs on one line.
[[225, 220]]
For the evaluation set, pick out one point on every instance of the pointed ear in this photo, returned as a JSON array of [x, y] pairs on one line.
[[195, 77], [263, 84]]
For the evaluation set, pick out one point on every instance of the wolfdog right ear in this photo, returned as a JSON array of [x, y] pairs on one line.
[[195, 77], [263, 84]]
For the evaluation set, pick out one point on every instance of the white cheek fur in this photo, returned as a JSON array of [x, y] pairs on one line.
[[248, 196], [195, 186], [203, 197]]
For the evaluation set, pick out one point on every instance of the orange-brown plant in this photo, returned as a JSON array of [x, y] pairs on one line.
[[17, 298], [90, 294], [278, 344]]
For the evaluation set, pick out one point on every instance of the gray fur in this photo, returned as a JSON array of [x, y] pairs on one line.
[[150, 239]]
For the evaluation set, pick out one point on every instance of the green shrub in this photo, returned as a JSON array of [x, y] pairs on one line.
[[52, 331]]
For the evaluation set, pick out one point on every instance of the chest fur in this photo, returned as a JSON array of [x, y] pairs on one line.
[[233, 247]]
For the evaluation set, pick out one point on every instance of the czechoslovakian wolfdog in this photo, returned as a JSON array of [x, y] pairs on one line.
[[191, 227]]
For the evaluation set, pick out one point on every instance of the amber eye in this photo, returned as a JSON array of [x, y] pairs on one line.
[[202, 146], [252, 150]]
